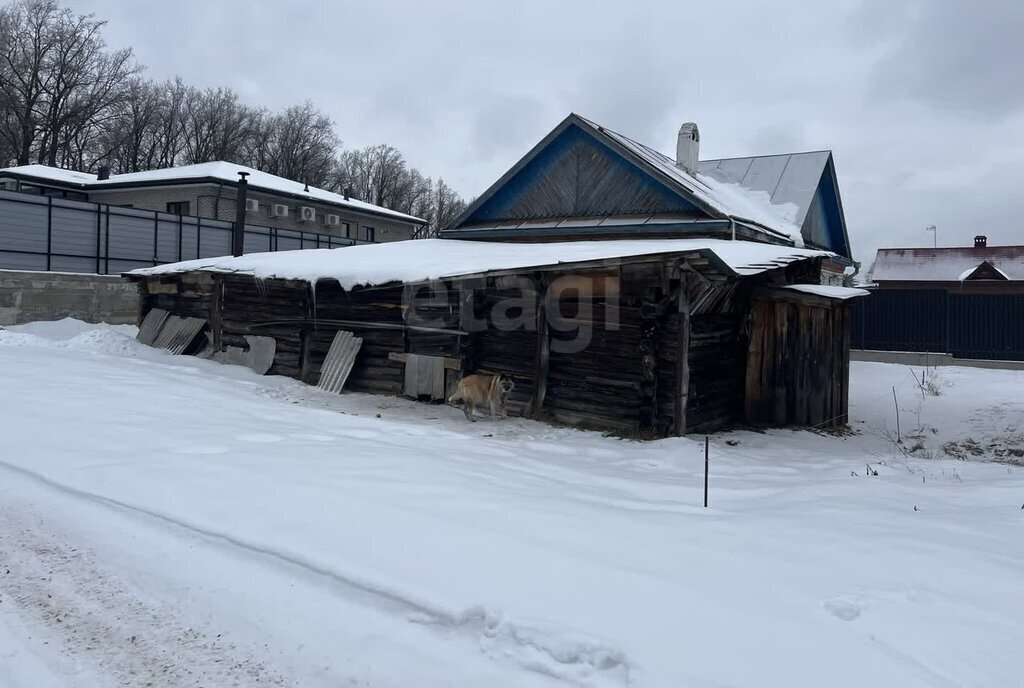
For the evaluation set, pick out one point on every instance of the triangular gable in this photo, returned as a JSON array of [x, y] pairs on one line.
[[805, 180], [985, 271], [575, 172], [825, 224]]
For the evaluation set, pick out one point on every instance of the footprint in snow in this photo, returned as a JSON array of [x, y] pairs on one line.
[[845, 608]]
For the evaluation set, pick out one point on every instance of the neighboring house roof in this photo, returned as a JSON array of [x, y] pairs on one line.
[[948, 264], [220, 171], [427, 259], [716, 194]]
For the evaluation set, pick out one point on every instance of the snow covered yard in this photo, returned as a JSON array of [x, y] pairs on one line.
[[168, 521]]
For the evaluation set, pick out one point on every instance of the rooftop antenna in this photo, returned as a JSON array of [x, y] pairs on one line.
[[935, 235], [306, 189]]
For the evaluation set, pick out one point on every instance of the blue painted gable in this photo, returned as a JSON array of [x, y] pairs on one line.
[[824, 226], [578, 175]]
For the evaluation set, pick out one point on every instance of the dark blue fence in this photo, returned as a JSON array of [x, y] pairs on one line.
[[965, 325]]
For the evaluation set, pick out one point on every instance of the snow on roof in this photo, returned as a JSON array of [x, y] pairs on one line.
[[945, 264], [728, 198], [54, 174], [828, 291], [789, 178], [427, 259], [220, 170], [970, 271]]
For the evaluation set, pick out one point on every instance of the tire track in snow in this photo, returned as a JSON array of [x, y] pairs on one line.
[[95, 621], [550, 651]]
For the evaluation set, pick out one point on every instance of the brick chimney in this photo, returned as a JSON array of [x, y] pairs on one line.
[[980, 241], [688, 147]]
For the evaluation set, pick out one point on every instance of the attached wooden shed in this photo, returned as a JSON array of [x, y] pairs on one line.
[[646, 338]]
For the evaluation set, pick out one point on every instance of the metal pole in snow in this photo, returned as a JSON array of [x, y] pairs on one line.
[[707, 442], [897, 405]]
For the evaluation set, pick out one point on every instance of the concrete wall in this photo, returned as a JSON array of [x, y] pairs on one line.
[[28, 296]]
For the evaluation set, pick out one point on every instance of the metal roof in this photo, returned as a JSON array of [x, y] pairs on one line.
[[787, 178], [945, 264]]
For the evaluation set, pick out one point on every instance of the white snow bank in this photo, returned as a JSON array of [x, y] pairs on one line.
[[828, 291], [426, 259], [67, 328], [69, 333], [390, 543]]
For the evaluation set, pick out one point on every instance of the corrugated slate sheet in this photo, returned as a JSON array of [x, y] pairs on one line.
[[339, 361], [177, 333], [151, 326]]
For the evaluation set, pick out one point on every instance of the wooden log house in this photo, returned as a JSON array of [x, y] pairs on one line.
[[702, 308], [674, 341]]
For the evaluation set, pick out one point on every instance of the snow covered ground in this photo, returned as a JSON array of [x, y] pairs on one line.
[[167, 521]]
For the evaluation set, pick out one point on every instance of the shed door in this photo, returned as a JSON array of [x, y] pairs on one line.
[[797, 363]]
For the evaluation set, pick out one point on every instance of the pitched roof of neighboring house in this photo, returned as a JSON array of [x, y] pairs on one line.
[[421, 260], [219, 171], [954, 264], [792, 210]]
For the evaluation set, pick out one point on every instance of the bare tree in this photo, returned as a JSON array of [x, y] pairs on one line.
[[217, 126], [66, 100], [299, 143], [58, 81]]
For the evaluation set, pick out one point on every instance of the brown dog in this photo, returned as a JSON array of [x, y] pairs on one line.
[[478, 390]]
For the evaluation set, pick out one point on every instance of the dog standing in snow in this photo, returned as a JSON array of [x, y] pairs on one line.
[[478, 390]]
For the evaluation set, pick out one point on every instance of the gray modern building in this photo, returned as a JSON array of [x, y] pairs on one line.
[[208, 190]]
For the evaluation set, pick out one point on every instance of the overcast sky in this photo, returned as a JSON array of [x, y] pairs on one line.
[[922, 105]]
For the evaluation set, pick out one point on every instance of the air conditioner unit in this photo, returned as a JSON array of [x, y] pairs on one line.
[[279, 210], [307, 214], [252, 205], [333, 220]]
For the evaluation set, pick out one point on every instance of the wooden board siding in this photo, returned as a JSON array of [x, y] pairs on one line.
[[190, 295], [578, 176], [674, 346], [798, 362], [495, 350], [373, 314], [268, 308]]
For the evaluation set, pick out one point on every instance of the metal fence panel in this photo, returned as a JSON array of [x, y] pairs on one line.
[[41, 233], [964, 325], [901, 320], [131, 238], [256, 241], [167, 240], [73, 231], [987, 326], [17, 223]]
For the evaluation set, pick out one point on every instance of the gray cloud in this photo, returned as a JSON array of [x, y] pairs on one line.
[[918, 101], [954, 55]]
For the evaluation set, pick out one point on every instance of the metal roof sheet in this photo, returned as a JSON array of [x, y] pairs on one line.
[[944, 264], [788, 178]]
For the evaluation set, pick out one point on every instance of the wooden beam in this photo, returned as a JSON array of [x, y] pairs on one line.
[[542, 357], [449, 363], [682, 360]]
